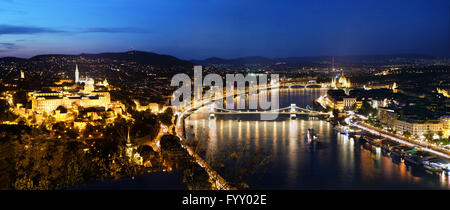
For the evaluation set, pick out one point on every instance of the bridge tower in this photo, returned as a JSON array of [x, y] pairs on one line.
[[292, 110], [211, 111]]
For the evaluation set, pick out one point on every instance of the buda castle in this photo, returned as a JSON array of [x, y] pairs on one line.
[[87, 97]]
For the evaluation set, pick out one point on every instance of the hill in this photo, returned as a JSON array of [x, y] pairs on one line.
[[393, 58], [140, 57]]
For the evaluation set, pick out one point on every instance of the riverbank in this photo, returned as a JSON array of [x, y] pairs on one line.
[[217, 180], [411, 152], [394, 137]]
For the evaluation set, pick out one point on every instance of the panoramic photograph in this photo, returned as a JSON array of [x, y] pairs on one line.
[[241, 101]]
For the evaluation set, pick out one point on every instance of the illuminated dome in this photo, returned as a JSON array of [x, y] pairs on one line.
[[90, 81], [89, 86]]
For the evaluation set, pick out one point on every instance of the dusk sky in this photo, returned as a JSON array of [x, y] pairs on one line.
[[197, 29]]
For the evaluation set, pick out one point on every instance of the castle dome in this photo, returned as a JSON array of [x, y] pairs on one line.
[[90, 81]]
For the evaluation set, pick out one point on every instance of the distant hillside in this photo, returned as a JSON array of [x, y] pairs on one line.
[[149, 58], [140, 57], [236, 61], [308, 59], [13, 59]]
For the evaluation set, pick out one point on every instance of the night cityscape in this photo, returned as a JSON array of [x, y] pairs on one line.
[[224, 95]]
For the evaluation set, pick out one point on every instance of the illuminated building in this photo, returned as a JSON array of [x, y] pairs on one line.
[[387, 117], [394, 87], [153, 107], [62, 81], [445, 126], [103, 83], [50, 101], [338, 99], [418, 128], [377, 86], [342, 82], [78, 79], [444, 92], [333, 82], [415, 127], [89, 97], [88, 86], [348, 102], [343, 103]]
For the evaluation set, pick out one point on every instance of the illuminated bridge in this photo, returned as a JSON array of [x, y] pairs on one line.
[[293, 110], [305, 85], [220, 183]]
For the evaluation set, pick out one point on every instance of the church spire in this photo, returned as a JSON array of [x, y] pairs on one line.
[[128, 137], [77, 74]]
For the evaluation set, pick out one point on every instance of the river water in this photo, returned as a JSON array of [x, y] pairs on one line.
[[274, 154]]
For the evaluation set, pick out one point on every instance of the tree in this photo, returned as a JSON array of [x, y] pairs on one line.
[[353, 106], [407, 134], [428, 135], [166, 117], [24, 183], [367, 109], [59, 128], [440, 134], [20, 97], [4, 105], [5, 113], [21, 121], [145, 123], [62, 109]]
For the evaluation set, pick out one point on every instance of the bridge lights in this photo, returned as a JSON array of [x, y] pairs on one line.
[[211, 111], [293, 115]]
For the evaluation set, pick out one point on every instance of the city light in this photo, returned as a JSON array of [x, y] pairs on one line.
[[256, 98]]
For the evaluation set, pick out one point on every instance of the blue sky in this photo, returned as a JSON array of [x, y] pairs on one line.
[[196, 29]]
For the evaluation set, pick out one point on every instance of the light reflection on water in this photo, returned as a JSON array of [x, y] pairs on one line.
[[339, 162]]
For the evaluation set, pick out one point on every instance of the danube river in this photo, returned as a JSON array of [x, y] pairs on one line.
[[274, 154]]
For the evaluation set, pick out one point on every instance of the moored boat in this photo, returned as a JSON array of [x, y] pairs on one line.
[[373, 140], [414, 156], [398, 150], [387, 145], [436, 164]]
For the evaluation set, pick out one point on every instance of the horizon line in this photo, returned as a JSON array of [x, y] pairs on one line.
[[229, 58]]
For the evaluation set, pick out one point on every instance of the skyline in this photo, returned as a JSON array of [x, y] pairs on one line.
[[199, 30], [177, 97]]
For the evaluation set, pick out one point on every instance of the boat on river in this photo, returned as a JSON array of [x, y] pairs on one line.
[[311, 136], [415, 156], [436, 164], [372, 140], [388, 145], [398, 151]]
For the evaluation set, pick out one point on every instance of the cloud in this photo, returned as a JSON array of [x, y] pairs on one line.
[[6, 47], [14, 29], [113, 30], [11, 29]]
